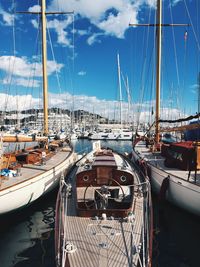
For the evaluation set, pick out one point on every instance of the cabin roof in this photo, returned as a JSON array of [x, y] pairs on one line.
[[104, 163], [110, 159], [104, 157], [187, 144], [104, 160]]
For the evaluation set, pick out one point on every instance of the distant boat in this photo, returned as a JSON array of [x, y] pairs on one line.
[[115, 134], [103, 213], [28, 174], [173, 167], [73, 136]]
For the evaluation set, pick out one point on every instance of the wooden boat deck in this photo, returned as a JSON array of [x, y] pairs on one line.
[[157, 160], [29, 171], [102, 242]]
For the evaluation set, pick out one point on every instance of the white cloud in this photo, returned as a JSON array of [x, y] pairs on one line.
[[194, 88], [35, 23], [112, 17], [7, 17], [106, 108], [176, 2], [60, 28], [81, 32], [20, 66], [53, 66], [22, 82], [82, 73], [115, 23], [87, 8], [22, 102], [151, 3], [94, 39], [35, 8]]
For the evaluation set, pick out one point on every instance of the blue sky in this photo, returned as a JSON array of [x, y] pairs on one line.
[[83, 65]]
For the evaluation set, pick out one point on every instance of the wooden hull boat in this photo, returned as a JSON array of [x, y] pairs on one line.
[[174, 177], [11, 138], [103, 214], [27, 175]]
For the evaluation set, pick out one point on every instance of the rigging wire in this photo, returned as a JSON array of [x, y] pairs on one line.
[[192, 25], [179, 97], [132, 81], [185, 62], [11, 62], [175, 52], [145, 41], [153, 83], [53, 55], [32, 74], [196, 33]]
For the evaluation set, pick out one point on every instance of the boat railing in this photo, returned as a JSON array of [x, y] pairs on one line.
[[147, 217]]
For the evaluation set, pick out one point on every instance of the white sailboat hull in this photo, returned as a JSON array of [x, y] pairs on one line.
[[112, 136], [180, 192], [23, 193]]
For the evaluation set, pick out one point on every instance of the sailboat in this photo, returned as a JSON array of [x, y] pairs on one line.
[[117, 134], [173, 168], [103, 213], [28, 174]]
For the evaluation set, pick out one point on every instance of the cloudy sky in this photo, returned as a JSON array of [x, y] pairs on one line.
[[82, 55]]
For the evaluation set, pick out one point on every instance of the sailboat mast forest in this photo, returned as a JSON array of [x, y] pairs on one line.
[[173, 167], [28, 174]]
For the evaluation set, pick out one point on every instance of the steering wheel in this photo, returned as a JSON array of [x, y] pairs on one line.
[[111, 179], [88, 206]]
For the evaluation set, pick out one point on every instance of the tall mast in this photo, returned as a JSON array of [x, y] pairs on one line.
[[44, 67], [44, 58], [158, 66], [159, 26], [120, 88], [129, 98]]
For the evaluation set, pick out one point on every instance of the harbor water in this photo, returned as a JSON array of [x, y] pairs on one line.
[[27, 237]]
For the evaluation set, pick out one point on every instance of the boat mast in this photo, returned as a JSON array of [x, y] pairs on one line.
[[44, 58], [44, 67], [159, 26], [158, 66], [44, 62], [120, 88]]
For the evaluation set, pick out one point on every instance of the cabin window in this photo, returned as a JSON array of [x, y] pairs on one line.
[[86, 166], [85, 178], [123, 178]]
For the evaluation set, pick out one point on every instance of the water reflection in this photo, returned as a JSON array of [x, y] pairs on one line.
[[176, 236], [27, 236]]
